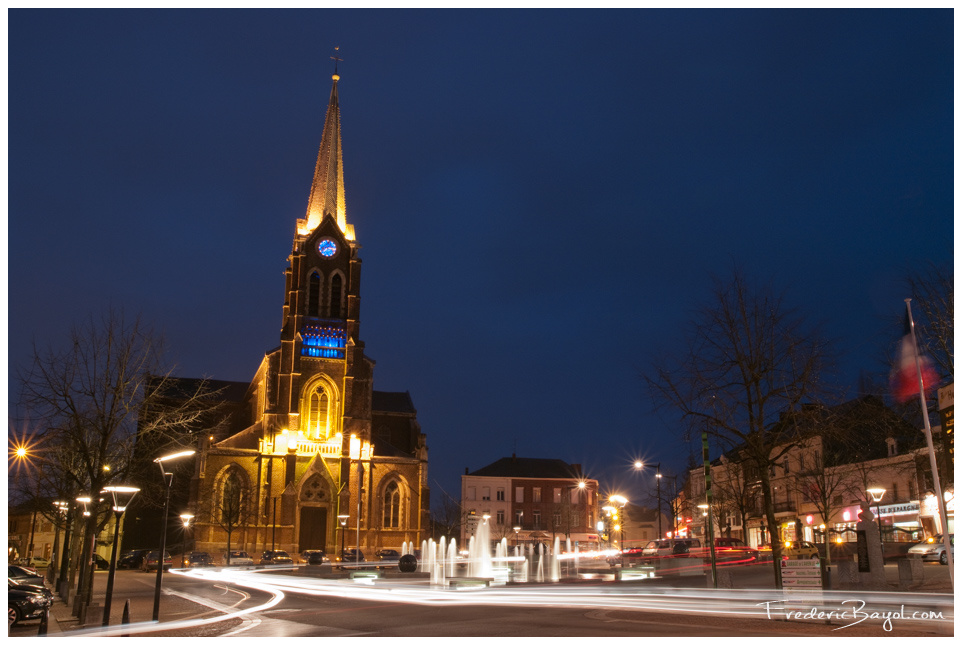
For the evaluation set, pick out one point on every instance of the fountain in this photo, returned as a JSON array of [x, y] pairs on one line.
[[555, 565], [452, 557]]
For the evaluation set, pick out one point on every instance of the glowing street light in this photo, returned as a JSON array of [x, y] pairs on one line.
[[185, 518], [121, 495], [169, 481]]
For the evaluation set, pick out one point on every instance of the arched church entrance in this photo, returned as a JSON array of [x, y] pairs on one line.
[[314, 502]]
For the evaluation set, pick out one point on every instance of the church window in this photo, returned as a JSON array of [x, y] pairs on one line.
[[392, 506], [318, 423], [336, 282], [232, 500], [314, 295], [314, 490]]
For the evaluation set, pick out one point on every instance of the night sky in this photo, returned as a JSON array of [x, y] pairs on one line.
[[542, 196]]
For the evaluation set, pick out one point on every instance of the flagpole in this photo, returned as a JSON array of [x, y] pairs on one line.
[[928, 440]]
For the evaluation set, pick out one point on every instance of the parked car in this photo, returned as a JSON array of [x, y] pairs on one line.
[[314, 556], [351, 555], [799, 550], [238, 558], [276, 557], [388, 554], [933, 549], [150, 561], [100, 561], [36, 563], [674, 547], [199, 559], [25, 602], [132, 559], [24, 575]]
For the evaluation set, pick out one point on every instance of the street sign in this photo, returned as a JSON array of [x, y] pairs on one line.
[[801, 574]]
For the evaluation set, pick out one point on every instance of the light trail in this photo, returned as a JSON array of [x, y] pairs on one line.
[[746, 603]]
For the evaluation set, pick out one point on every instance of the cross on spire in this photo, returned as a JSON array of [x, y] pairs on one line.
[[335, 58]]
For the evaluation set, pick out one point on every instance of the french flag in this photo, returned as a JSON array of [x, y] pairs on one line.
[[904, 378]]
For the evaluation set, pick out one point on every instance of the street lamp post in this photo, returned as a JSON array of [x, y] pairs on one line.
[[61, 513], [168, 481], [621, 501], [343, 521], [185, 518], [877, 494], [638, 466], [273, 522], [121, 497]]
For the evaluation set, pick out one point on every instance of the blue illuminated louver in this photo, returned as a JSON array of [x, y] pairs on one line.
[[323, 341]]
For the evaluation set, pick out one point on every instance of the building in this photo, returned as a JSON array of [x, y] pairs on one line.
[[531, 501], [819, 482], [313, 456]]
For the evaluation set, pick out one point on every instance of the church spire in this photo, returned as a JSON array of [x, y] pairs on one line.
[[327, 190]]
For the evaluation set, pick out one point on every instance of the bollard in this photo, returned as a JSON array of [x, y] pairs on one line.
[[42, 630], [125, 620]]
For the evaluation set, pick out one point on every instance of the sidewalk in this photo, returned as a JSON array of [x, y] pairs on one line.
[[141, 609]]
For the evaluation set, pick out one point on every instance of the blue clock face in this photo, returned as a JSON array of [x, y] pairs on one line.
[[327, 247]]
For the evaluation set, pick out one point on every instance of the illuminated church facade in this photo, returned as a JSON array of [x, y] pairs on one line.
[[315, 457]]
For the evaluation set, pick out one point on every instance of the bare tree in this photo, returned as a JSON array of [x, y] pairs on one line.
[[88, 400], [737, 493], [749, 365], [448, 518], [229, 508]]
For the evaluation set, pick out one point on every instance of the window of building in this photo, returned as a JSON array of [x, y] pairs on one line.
[[785, 466], [318, 419], [519, 494], [314, 295], [556, 495], [472, 493], [518, 516], [536, 518], [392, 506], [485, 493], [557, 519], [232, 500], [500, 494], [536, 494], [500, 518], [895, 491], [336, 296]]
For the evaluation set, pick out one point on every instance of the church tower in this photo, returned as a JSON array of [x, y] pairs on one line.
[[323, 451]]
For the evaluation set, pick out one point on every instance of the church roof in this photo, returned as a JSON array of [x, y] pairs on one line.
[[327, 189], [532, 468], [399, 402]]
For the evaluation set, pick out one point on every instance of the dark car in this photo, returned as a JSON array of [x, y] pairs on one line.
[[351, 555], [23, 575], [388, 557], [132, 559], [25, 602], [150, 562], [314, 556], [199, 559], [100, 562], [276, 557]]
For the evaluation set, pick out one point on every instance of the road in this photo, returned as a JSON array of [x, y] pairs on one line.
[[284, 603]]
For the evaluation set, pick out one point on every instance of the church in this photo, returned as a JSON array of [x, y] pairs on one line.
[[314, 457]]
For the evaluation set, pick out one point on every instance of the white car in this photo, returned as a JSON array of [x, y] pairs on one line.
[[239, 558], [933, 549]]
